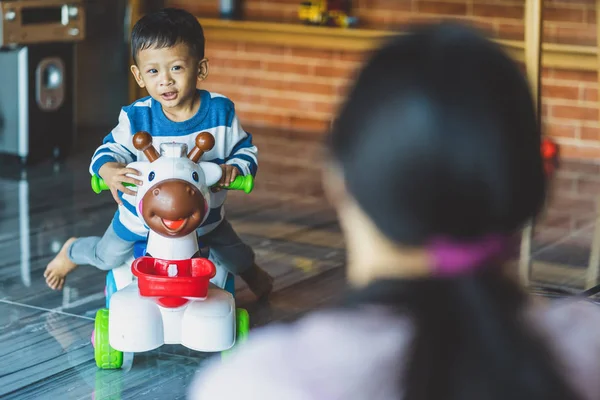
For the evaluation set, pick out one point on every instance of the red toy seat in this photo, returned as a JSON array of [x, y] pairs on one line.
[[173, 280]]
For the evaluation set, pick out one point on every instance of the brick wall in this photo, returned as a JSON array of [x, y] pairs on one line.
[[281, 86], [294, 88], [565, 21]]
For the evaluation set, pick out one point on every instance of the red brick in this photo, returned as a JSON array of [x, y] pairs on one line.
[[589, 133], [358, 57], [343, 90], [291, 104], [396, 5], [498, 11], [510, 31], [588, 187], [557, 220], [199, 9], [256, 83], [574, 204], [590, 94], [583, 2], [247, 96], [263, 49], [560, 130], [218, 78], [581, 167], [270, 11], [277, 15], [561, 185], [218, 55], [310, 87], [580, 152], [563, 14], [325, 107], [221, 45], [549, 33], [546, 72], [263, 119], [578, 76], [333, 72], [311, 124], [321, 55], [560, 92], [243, 64], [288, 67], [545, 109], [590, 16], [574, 112], [436, 7], [584, 36]]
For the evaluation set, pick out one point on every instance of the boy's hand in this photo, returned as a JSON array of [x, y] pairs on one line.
[[114, 174], [229, 174]]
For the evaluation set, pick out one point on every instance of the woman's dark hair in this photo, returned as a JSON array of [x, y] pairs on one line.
[[166, 28], [439, 136]]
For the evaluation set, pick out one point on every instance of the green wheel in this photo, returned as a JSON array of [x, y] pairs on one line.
[[106, 357], [242, 320], [242, 325]]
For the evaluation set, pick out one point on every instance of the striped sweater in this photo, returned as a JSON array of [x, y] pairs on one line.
[[216, 115]]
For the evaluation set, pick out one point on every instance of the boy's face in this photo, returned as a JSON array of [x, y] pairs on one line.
[[170, 74]]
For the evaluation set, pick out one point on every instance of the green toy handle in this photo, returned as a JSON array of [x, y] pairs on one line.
[[241, 182], [99, 185]]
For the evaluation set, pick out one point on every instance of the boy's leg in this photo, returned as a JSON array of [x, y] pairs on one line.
[[226, 246], [105, 253]]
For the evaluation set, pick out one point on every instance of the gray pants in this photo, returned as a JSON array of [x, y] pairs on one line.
[[110, 251]]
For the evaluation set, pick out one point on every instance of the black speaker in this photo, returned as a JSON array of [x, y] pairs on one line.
[[37, 106]]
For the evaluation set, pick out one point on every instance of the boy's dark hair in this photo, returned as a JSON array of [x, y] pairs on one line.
[[439, 137], [166, 28]]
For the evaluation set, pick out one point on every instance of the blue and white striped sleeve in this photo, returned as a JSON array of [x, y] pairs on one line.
[[127, 225], [243, 153], [116, 147]]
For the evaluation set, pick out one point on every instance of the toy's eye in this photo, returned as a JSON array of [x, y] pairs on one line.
[[195, 176], [151, 176]]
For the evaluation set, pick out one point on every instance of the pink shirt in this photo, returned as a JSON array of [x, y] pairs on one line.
[[345, 355]]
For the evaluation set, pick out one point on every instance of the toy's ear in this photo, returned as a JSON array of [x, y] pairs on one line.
[[141, 166], [212, 172]]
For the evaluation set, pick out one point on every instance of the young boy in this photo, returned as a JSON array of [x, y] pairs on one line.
[[168, 53]]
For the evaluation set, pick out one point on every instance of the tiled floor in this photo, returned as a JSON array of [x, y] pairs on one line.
[[45, 349]]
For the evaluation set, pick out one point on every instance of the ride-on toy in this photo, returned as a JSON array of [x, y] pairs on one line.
[[168, 293]]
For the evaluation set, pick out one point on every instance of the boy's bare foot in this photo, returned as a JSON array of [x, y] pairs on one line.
[[59, 267]]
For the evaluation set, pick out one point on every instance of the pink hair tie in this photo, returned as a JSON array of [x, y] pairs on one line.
[[453, 258]]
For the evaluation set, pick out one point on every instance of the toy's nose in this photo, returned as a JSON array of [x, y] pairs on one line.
[[173, 197], [174, 189]]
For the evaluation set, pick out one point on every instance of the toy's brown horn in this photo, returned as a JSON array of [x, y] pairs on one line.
[[204, 142], [143, 142]]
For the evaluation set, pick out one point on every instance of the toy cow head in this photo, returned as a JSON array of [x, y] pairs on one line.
[[174, 198]]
